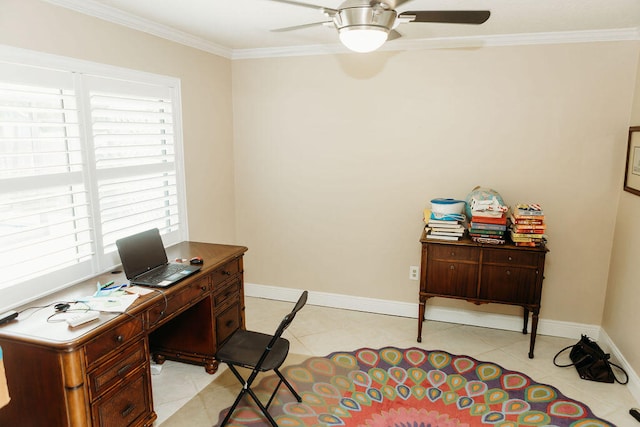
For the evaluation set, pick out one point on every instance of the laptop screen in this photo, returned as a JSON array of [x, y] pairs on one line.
[[141, 252]]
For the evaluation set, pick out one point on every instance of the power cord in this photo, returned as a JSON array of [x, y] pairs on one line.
[[163, 311]]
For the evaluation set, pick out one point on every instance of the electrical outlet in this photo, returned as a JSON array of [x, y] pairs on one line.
[[413, 272]]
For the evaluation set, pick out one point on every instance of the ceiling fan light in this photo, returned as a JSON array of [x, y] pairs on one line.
[[363, 39]]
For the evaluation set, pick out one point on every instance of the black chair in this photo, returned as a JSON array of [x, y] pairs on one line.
[[260, 353]]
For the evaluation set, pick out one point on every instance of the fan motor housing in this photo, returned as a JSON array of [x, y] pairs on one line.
[[365, 16]]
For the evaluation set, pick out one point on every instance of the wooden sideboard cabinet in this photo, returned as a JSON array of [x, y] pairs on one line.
[[482, 273], [98, 374]]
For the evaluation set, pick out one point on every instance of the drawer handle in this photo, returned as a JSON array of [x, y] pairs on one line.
[[452, 267], [226, 273], [124, 370], [128, 410], [203, 288], [119, 339], [510, 259], [453, 253], [508, 273], [229, 323]]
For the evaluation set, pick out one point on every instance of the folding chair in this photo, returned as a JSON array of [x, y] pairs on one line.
[[260, 353]]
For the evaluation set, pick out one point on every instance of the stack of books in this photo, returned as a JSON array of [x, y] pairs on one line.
[[527, 225], [444, 226], [488, 221]]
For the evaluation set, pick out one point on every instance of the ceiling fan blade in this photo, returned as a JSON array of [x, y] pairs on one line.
[[310, 6], [448, 16], [299, 27]]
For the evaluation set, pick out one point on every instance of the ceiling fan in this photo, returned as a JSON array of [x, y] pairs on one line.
[[364, 25]]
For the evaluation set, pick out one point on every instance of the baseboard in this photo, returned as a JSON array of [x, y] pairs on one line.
[[432, 312], [442, 314], [610, 347]]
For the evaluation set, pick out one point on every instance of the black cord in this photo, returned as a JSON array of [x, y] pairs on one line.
[[52, 318], [37, 308]]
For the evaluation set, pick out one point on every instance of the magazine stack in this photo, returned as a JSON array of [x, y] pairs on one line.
[[488, 220], [527, 225]]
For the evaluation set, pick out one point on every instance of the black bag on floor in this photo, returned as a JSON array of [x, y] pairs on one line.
[[591, 362]]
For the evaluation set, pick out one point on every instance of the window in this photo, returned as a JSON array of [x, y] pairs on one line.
[[85, 159]]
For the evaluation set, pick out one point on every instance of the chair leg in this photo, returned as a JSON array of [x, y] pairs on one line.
[[264, 410], [289, 386], [246, 388], [233, 407], [273, 395]]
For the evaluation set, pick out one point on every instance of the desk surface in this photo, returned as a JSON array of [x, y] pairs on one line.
[[32, 325]]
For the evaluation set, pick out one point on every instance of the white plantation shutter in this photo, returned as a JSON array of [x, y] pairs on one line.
[[84, 161], [44, 211], [135, 158]]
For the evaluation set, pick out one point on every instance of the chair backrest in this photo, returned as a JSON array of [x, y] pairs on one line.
[[286, 321]]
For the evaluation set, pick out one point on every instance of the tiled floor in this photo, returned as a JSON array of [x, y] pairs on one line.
[[318, 331]]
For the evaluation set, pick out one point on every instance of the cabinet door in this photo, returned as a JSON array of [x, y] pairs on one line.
[[452, 270], [509, 284], [451, 278], [509, 276]]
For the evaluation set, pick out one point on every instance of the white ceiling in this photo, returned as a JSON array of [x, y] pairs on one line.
[[234, 27]]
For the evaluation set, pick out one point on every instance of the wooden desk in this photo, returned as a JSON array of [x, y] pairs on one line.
[[482, 273], [98, 374]]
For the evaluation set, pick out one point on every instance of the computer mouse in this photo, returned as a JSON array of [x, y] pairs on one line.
[[196, 260]]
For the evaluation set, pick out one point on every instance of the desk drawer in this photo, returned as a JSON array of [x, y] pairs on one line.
[[123, 364], [453, 253], [125, 405], [228, 320], [114, 339], [182, 299], [224, 294], [223, 273], [510, 257]]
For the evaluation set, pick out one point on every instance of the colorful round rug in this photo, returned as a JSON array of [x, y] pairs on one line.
[[410, 388]]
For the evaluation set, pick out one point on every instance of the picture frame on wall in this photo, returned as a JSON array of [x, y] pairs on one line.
[[632, 171]]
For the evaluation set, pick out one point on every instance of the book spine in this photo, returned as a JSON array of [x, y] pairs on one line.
[[481, 226], [519, 217], [523, 230], [488, 240], [489, 220], [473, 231]]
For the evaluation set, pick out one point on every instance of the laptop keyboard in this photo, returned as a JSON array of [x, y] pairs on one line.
[[163, 273]]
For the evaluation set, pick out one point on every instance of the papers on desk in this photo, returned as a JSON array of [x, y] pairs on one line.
[[117, 302]]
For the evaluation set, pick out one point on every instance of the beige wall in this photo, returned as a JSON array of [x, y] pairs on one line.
[[206, 95], [622, 309], [336, 156]]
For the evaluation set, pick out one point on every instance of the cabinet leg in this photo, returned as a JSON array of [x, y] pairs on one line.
[[211, 366], [420, 319], [159, 358], [534, 328], [526, 320]]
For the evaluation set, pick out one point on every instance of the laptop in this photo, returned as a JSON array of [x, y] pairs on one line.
[[145, 263]]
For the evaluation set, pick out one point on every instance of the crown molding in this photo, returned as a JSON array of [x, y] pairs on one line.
[[116, 16], [591, 36], [107, 13]]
